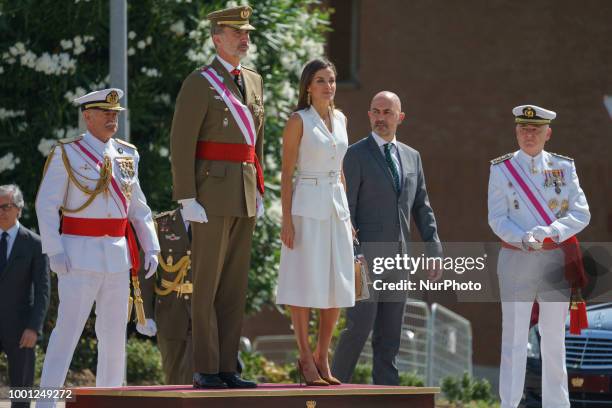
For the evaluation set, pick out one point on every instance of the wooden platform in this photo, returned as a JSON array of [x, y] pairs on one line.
[[266, 395]]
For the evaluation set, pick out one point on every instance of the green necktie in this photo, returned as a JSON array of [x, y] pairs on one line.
[[392, 167]]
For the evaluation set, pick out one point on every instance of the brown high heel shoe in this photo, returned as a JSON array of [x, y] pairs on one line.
[[330, 380], [316, 383]]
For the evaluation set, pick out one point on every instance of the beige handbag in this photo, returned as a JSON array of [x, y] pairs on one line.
[[361, 276]]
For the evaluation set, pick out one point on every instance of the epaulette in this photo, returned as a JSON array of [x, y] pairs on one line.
[[123, 142], [562, 156], [68, 140], [249, 69], [502, 159]]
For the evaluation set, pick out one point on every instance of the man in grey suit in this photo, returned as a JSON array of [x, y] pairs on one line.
[[24, 290], [385, 187]]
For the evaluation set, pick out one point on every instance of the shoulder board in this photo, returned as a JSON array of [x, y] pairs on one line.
[[70, 139], [123, 142], [502, 159], [250, 69], [562, 156]]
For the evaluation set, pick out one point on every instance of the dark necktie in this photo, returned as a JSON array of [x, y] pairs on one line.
[[238, 80], [3, 251], [392, 167]]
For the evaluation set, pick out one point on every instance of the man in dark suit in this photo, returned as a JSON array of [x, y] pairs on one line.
[[385, 188], [24, 290]]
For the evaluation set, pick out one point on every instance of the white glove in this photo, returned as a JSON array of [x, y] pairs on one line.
[[150, 263], [529, 242], [59, 263], [541, 233], [148, 329], [193, 211]]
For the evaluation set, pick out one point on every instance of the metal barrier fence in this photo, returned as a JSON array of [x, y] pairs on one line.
[[433, 344], [450, 345]]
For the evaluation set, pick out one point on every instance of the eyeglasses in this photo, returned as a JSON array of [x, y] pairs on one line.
[[6, 207]]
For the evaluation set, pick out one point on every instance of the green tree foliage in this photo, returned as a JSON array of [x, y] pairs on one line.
[[54, 51]]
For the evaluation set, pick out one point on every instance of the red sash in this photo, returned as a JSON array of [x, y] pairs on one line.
[[234, 152], [101, 227]]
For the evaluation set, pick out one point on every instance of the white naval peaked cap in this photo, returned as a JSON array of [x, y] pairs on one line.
[[106, 99], [533, 114]]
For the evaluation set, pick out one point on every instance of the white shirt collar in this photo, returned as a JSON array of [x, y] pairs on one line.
[[381, 142], [12, 232], [227, 65], [96, 143], [527, 158]]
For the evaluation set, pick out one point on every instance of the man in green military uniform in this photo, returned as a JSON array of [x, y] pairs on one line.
[[168, 298], [217, 144]]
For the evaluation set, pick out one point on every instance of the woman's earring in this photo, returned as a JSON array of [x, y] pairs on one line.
[[308, 98]]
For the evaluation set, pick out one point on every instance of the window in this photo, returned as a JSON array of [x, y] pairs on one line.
[[343, 40]]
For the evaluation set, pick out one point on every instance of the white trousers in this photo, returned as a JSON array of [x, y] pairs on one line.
[[77, 292], [525, 277]]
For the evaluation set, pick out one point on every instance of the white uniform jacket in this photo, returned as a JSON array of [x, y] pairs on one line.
[[123, 199], [557, 187]]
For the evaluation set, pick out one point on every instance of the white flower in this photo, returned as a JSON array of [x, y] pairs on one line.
[[163, 151], [45, 145], [131, 35], [78, 92], [5, 114], [1, 70], [66, 44], [8, 162], [149, 40], [131, 51], [150, 72], [141, 44], [163, 98], [78, 40], [79, 49], [178, 28]]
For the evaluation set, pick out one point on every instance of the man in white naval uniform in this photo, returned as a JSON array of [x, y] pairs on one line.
[[93, 181], [535, 204]]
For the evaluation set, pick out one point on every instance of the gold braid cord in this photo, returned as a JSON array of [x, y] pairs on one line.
[[180, 268], [138, 302], [106, 173]]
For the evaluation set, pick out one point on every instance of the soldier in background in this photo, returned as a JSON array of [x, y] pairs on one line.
[[168, 298]]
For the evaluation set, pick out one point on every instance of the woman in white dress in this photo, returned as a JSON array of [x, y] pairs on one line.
[[316, 266]]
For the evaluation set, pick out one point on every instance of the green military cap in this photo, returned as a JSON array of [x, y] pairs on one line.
[[236, 17]]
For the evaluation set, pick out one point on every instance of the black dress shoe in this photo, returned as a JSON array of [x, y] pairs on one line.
[[201, 380], [233, 380]]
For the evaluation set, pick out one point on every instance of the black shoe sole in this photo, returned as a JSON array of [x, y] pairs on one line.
[[210, 387]]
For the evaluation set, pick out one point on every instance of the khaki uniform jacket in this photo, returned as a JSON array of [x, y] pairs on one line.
[[223, 188], [172, 312]]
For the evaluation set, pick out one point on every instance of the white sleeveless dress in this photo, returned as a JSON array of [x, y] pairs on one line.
[[318, 272]]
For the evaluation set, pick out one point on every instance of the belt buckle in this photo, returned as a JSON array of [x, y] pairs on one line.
[[187, 287]]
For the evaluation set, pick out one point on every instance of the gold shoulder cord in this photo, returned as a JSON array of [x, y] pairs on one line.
[[106, 173], [181, 267]]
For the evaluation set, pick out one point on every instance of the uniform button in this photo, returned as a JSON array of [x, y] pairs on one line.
[[186, 297], [207, 172], [188, 252], [186, 281], [226, 109], [108, 215]]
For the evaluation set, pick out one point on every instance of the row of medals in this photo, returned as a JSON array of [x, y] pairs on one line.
[[556, 179]]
